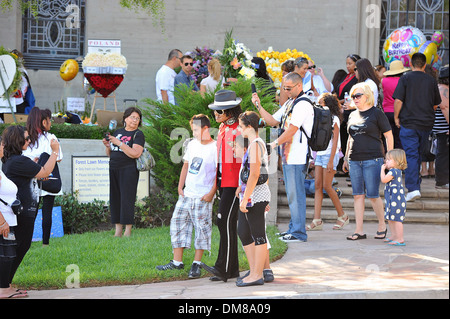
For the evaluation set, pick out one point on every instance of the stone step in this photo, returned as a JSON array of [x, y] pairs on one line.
[[330, 216], [347, 202]]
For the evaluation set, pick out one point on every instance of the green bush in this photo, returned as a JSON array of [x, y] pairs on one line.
[[163, 118], [71, 130]]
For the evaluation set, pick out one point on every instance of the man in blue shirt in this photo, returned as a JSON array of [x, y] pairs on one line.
[[184, 77]]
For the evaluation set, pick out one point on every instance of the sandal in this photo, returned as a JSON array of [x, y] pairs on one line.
[[318, 225], [396, 243], [358, 236], [344, 219], [381, 234]]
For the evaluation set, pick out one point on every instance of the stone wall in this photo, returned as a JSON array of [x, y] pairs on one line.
[[326, 30]]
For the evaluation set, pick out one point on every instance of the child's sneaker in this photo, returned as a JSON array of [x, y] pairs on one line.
[[195, 271], [170, 266]]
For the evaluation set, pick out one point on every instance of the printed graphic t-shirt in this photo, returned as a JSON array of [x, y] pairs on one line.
[[118, 158], [202, 168]]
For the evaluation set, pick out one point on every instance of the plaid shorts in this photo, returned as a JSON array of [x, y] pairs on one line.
[[191, 213]]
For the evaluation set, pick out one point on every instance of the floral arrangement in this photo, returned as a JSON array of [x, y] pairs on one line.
[[109, 62], [201, 58], [236, 59], [274, 60], [15, 85]]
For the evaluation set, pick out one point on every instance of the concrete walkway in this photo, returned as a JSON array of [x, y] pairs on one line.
[[327, 266]]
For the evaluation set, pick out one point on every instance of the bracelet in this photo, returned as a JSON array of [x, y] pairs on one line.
[[56, 154], [120, 144], [1, 226]]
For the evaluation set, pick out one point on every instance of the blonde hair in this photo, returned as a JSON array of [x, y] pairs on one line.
[[216, 69], [367, 91], [399, 157]]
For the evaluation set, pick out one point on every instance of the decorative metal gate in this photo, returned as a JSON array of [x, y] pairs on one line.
[[427, 15], [57, 34]]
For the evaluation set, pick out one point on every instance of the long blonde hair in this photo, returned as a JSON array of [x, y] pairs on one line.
[[216, 69]]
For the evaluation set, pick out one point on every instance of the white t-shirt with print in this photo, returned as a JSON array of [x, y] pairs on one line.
[[202, 168], [165, 78], [8, 192], [293, 152]]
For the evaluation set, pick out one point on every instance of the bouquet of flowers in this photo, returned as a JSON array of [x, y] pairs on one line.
[[274, 60], [236, 59], [201, 58], [96, 62]]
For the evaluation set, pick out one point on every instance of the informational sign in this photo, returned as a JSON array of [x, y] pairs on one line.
[[90, 177], [75, 104], [104, 46]]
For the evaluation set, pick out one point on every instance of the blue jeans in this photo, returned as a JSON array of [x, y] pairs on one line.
[[294, 180], [365, 176], [413, 142]]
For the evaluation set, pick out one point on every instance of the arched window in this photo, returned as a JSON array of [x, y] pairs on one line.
[[57, 34]]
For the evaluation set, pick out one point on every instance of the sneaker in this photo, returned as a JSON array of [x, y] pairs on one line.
[[288, 238], [195, 271], [442, 186], [281, 234], [412, 196], [170, 266]]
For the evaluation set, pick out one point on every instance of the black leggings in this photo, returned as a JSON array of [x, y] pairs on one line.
[[47, 211], [252, 225]]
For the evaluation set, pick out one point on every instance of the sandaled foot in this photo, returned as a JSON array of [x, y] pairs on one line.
[[341, 222], [396, 243], [316, 224], [357, 236]]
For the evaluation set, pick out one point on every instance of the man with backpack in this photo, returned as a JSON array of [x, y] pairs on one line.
[[295, 114]]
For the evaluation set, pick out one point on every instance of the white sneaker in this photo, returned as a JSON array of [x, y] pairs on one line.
[[412, 196], [288, 238]]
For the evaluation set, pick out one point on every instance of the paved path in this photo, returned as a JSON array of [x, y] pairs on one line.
[[327, 266]]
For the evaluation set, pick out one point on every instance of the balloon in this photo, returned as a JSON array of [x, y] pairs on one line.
[[430, 50], [69, 70], [402, 43], [438, 38]]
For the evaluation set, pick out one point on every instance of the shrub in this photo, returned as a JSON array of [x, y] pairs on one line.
[[71, 130]]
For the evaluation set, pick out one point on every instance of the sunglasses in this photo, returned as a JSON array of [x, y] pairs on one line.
[[220, 112], [312, 67], [187, 63], [357, 96], [289, 88], [28, 138]]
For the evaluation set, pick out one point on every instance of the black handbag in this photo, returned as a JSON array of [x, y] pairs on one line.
[[16, 206], [245, 172], [53, 184]]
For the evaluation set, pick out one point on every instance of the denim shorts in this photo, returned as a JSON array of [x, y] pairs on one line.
[[365, 177], [322, 160]]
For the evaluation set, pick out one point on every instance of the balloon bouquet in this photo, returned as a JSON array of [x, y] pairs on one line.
[[403, 42]]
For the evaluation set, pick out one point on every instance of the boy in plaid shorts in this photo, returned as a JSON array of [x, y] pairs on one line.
[[196, 189]]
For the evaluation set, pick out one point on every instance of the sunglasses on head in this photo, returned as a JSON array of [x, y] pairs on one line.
[[187, 63], [357, 96]]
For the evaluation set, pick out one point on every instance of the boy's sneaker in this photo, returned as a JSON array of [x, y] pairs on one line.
[[281, 234], [195, 271], [288, 238], [170, 266]]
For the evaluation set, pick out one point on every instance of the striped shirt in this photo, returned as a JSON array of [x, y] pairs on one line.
[[440, 123]]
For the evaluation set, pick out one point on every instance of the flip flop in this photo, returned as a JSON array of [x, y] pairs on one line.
[[396, 243], [15, 295], [358, 236]]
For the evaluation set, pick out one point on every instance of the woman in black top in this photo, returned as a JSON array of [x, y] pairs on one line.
[[23, 172], [123, 147]]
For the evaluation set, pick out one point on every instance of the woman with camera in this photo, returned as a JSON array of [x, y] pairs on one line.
[[39, 123], [123, 147], [23, 172], [254, 196]]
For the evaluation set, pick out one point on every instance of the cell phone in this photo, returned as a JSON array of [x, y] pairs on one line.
[[10, 236], [107, 134]]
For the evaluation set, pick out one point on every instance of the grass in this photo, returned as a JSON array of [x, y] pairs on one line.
[[103, 259]]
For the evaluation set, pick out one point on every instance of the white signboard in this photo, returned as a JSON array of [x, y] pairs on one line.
[[90, 177], [104, 46], [75, 104]]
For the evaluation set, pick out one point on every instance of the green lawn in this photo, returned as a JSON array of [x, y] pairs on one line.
[[103, 259]]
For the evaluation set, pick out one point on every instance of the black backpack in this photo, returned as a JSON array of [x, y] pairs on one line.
[[322, 129]]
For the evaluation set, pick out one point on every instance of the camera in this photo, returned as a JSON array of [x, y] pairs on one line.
[[17, 207]]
